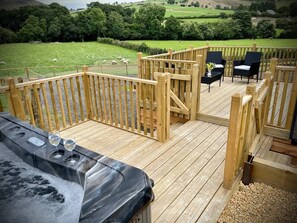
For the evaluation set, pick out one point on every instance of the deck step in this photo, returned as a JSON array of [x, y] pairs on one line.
[[285, 147]]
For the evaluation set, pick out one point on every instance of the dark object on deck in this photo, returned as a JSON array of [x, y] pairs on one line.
[[37, 187], [216, 57], [293, 133], [248, 67], [215, 76]]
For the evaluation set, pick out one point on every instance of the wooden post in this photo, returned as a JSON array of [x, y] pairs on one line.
[[170, 53], [272, 66], [16, 100], [233, 140], [269, 83], [139, 57], [192, 52], [251, 90], [86, 82], [27, 72], [200, 63], [292, 102], [254, 48], [163, 106], [194, 98]]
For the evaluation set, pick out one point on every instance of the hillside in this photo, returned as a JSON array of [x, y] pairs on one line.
[[223, 3], [14, 4]]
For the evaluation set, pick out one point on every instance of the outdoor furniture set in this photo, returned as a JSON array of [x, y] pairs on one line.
[[248, 67]]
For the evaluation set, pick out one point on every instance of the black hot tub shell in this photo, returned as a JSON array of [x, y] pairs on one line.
[[35, 187]]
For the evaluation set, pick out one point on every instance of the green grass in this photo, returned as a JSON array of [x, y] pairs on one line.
[[178, 45], [67, 54], [202, 20], [278, 31]]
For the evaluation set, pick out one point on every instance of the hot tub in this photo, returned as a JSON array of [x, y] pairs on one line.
[[37, 187]]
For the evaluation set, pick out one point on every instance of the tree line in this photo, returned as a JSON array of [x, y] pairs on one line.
[[52, 23]]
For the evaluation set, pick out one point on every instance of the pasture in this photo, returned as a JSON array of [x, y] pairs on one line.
[[22, 55], [178, 45], [202, 20]]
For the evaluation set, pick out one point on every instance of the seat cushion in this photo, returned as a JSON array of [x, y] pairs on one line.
[[219, 66], [242, 67]]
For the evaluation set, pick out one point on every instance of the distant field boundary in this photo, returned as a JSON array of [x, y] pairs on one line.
[[142, 47]]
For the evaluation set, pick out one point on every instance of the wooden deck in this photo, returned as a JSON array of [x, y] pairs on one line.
[[187, 169], [217, 102]]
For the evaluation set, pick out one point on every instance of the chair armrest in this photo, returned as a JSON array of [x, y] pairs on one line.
[[223, 62], [255, 67], [237, 62]]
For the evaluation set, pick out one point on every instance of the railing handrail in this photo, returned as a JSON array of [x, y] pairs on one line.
[[143, 81], [285, 68], [171, 60]]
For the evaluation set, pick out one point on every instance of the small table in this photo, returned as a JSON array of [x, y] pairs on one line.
[[215, 76]]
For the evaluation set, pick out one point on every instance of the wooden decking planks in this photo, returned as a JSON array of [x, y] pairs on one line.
[[217, 102], [187, 169]]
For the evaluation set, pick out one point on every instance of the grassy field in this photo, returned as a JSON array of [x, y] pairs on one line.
[[66, 54], [178, 45]]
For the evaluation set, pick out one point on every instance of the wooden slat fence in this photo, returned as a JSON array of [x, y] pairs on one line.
[[247, 120], [286, 56], [185, 82], [136, 105], [283, 97]]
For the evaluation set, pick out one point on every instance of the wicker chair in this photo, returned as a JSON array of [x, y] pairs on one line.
[[216, 58], [248, 67]]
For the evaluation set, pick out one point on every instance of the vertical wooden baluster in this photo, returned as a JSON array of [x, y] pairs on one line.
[[39, 109], [57, 124], [138, 95], [61, 103], [120, 104], [95, 98], [82, 117], [73, 100], [275, 97], [126, 105], [132, 106], [29, 104], [115, 112], [144, 90], [109, 103], [48, 114], [104, 100], [67, 102], [100, 99], [283, 100], [151, 98]]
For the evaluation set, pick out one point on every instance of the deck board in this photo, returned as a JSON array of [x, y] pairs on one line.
[[187, 169]]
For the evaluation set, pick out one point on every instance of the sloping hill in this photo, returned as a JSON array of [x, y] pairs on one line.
[[14, 4]]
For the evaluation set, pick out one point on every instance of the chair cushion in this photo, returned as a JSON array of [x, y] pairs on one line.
[[219, 66], [242, 67]]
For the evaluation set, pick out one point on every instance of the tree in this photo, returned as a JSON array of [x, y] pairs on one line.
[[172, 29], [32, 29], [149, 19], [265, 29], [191, 32], [243, 19], [115, 26], [207, 31], [97, 20], [7, 36], [171, 2], [293, 9], [54, 30]]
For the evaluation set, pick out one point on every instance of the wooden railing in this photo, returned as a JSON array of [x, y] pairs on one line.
[[287, 56], [185, 76], [247, 120], [284, 95], [136, 105]]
